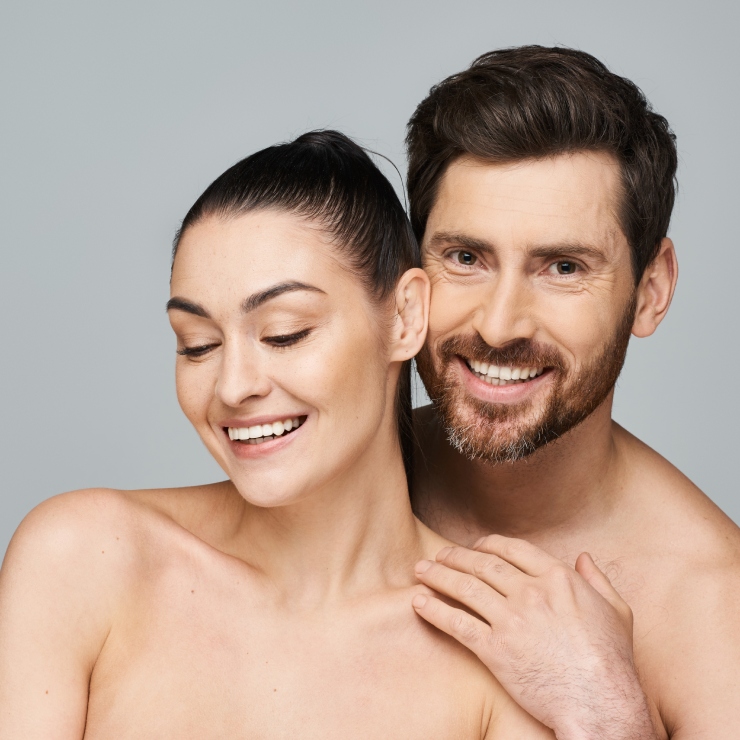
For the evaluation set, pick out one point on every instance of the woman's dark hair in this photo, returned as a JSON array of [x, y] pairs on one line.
[[325, 177], [532, 102]]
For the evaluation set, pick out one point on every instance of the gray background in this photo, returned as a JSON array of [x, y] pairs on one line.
[[116, 116]]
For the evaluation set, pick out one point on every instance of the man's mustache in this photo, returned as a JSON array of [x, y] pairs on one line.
[[518, 353]]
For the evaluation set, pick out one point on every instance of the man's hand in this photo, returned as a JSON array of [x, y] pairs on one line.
[[559, 640]]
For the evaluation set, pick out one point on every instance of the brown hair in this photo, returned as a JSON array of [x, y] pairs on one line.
[[532, 102]]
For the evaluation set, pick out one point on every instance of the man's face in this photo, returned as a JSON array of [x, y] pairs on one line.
[[532, 300]]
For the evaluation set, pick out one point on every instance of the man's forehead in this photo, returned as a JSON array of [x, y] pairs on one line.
[[567, 197]]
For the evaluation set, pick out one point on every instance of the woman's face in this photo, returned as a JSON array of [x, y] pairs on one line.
[[283, 362]]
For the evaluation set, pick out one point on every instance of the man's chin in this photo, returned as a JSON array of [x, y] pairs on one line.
[[494, 443]]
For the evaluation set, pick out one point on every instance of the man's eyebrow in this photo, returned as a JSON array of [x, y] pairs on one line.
[[569, 249], [449, 238], [257, 299], [182, 304]]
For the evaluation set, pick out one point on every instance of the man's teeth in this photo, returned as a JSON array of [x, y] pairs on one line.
[[264, 432], [502, 374]]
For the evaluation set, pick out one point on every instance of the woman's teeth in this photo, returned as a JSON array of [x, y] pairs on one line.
[[501, 374], [264, 432]]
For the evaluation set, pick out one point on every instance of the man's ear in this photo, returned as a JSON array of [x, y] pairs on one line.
[[412, 314], [655, 291]]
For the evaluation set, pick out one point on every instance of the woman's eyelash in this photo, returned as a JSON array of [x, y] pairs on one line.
[[195, 351], [286, 340], [279, 340]]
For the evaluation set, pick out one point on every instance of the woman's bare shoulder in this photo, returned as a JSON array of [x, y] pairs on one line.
[[102, 530]]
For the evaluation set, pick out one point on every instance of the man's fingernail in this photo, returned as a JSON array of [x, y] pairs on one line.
[[418, 601], [442, 554], [423, 565], [479, 542]]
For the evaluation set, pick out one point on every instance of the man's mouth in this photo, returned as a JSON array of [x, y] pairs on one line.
[[259, 433], [502, 374]]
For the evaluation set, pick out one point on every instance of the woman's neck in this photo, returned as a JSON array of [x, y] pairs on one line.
[[354, 536]]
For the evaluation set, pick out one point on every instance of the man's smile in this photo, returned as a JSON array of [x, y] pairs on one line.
[[502, 374], [498, 390]]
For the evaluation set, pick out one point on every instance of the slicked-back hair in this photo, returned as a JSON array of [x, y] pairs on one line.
[[533, 102], [327, 178]]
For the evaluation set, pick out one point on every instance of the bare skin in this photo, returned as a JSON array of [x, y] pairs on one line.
[[552, 628], [275, 604]]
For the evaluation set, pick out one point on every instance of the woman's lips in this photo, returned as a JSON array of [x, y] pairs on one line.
[[256, 440]]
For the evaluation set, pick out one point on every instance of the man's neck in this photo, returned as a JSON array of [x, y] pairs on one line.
[[568, 486]]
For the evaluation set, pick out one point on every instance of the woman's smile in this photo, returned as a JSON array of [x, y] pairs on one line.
[[257, 437]]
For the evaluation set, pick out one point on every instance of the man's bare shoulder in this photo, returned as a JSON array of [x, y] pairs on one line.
[[673, 513], [685, 558]]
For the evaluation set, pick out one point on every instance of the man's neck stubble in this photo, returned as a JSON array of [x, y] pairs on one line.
[[568, 485]]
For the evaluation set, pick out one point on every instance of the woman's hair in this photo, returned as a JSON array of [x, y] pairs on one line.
[[325, 177]]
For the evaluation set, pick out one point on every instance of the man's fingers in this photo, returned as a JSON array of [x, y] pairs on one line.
[[491, 569], [465, 628], [529, 558], [589, 571], [464, 588]]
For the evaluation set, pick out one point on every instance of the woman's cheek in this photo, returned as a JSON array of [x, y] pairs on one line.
[[192, 393]]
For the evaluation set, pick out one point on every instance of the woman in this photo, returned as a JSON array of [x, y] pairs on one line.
[[277, 603]]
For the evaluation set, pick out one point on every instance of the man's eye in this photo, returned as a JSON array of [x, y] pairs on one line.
[[566, 268], [465, 258], [286, 340]]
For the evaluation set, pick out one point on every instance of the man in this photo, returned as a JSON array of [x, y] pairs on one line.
[[541, 188]]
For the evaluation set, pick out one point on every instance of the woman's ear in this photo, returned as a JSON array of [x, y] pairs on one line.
[[655, 291], [412, 314]]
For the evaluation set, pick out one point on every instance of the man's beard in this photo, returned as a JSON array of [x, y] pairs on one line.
[[497, 433]]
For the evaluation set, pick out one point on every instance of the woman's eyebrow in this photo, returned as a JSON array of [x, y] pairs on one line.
[[257, 299], [249, 304], [182, 304]]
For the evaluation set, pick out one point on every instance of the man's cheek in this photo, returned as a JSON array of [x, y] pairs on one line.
[[578, 326]]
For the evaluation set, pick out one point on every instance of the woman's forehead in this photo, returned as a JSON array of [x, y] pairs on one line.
[[237, 255]]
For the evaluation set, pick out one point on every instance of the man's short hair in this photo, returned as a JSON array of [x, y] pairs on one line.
[[532, 102]]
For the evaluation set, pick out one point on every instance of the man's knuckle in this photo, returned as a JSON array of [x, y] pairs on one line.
[[489, 542], [481, 566], [460, 626], [532, 595], [511, 547], [469, 588]]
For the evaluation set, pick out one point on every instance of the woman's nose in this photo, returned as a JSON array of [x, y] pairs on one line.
[[242, 375]]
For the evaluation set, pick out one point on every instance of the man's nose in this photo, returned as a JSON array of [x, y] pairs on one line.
[[242, 375], [506, 310]]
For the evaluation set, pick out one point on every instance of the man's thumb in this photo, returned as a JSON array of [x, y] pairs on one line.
[[587, 569]]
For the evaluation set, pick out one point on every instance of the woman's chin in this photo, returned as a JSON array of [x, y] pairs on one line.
[[268, 493]]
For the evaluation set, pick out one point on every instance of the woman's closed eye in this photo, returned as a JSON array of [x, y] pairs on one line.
[[286, 340], [198, 351]]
